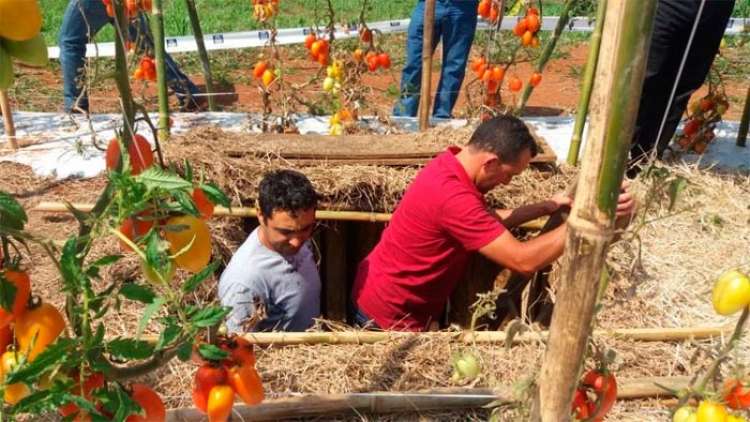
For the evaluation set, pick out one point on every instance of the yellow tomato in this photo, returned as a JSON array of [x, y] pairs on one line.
[[684, 414], [710, 411], [731, 292], [13, 392], [194, 230], [20, 20]]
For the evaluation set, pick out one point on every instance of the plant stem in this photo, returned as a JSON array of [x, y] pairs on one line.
[[588, 84], [745, 122], [202, 53]]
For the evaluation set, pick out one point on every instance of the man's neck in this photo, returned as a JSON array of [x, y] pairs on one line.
[[469, 164]]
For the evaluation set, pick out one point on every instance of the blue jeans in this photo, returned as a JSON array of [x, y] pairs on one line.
[[455, 24], [362, 320], [77, 30]]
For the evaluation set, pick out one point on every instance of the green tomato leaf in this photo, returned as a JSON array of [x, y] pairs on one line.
[[215, 195], [73, 279], [675, 188], [52, 356], [212, 352], [118, 402], [170, 333], [186, 203], [155, 178], [138, 293], [185, 351], [12, 214], [208, 317], [7, 293], [196, 279], [130, 349], [148, 312]]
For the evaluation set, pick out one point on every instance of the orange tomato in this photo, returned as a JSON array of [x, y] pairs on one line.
[[535, 79], [514, 84], [535, 42], [532, 11], [309, 40], [319, 47], [22, 283], [532, 23], [259, 69], [358, 55], [13, 392], [139, 151], [6, 338], [240, 351], [138, 74], [483, 9], [204, 205], [268, 77], [146, 5], [494, 14], [246, 382], [150, 402], [373, 63], [220, 401], [197, 256], [37, 328], [497, 73], [206, 378], [527, 38]]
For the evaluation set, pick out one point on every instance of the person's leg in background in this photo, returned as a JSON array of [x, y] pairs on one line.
[[178, 82], [459, 22], [411, 75], [672, 25], [81, 21]]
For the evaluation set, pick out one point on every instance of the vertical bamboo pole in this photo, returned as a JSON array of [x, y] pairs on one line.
[[10, 128], [546, 54], [157, 24], [426, 87], [745, 122], [618, 83], [588, 83], [202, 53]]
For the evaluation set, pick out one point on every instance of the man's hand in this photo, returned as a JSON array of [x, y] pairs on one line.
[[626, 201], [557, 201]]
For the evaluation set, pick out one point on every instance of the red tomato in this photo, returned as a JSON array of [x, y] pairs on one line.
[[150, 402], [204, 205], [309, 40], [605, 387], [259, 68], [535, 79], [206, 378], [483, 9], [246, 382], [520, 27], [139, 151], [384, 60], [22, 283], [514, 84], [93, 382], [532, 23], [736, 394]]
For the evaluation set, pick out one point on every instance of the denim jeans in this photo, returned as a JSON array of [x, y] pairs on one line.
[[76, 30], [455, 24], [362, 320]]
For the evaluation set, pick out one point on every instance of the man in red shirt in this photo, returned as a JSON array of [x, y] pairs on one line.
[[405, 282]]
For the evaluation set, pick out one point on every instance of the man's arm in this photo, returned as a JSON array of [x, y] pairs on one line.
[[516, 217], [529, 256]]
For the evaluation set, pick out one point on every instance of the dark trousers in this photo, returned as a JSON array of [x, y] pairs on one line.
[[672, 25]]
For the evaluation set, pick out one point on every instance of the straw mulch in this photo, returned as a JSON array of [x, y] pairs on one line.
[[682, 251]]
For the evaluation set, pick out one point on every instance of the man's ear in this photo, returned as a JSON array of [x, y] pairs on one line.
[[490, 159]]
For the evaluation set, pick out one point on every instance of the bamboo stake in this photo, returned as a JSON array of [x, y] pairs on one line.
[[202, 53], [588, 83], [426, 86], [157, 24], [745, 122], [122, 79], [244, 212], [328, 405], [10, 128], [546, 54], [619, 78]]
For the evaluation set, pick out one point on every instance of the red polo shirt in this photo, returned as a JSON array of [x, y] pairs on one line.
[[406, 280]]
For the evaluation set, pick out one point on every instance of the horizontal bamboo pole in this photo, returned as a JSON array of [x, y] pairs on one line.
[[243, 212], [326, 405], [370, 337]]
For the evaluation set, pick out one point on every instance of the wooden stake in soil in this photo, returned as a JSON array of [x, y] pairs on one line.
[[198, 33], [157, 24], [745, 122], [10, 128], [426, 87], [588, 83], [619, 78]]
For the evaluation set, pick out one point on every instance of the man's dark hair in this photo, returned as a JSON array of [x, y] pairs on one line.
[[286, 190], [506, 136]]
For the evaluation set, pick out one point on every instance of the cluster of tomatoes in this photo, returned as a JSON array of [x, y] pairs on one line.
[[190, 244], [318, 47], [132, 7], [264, 73], [265, 9], [26, 329], [146, 70], [152, 407], [730, 294], [488, 10], [216, 383], [339, 119], [375, 60], [595, 396], [699, 128], [492, 75], [527, 28], [334, 76]]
